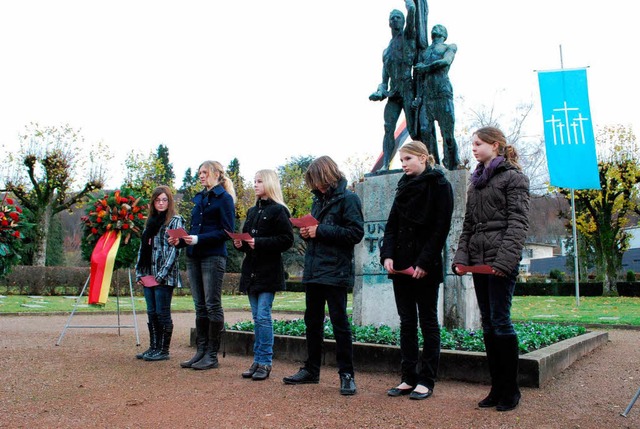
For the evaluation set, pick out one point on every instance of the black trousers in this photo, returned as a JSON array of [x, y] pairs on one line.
[[336, 298], [417, 302]]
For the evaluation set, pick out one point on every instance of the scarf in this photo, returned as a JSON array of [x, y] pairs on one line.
[[481, 175], [411, 196], [151, 230]]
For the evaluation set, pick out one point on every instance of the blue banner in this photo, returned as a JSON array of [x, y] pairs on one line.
[[568, 129]]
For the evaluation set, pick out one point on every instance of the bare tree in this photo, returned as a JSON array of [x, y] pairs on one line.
[[530, 147], [45, 172]]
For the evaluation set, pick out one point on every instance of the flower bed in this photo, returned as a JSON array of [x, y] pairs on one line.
[[532, 336]]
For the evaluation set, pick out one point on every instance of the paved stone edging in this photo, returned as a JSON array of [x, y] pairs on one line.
[[536, 368]]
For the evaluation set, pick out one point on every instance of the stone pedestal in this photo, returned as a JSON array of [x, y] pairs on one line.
[[460, 304], [373, 300]]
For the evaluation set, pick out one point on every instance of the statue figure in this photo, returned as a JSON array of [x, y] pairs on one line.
[[434, 99], [397, 84]]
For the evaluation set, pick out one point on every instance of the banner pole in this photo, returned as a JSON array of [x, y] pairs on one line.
[[576, 271]]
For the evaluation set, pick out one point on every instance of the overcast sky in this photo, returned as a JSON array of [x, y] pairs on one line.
[[267, 80]]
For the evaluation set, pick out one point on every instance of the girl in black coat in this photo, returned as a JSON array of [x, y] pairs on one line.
[[411, 253], [262, 270]]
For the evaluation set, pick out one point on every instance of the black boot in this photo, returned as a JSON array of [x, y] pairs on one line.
[[507, 347], [162, 352], [153, 338], [496, 389], [210, 358], [202, 339]]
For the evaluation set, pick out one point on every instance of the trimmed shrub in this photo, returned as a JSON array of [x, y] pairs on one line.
[[557, 275], [29, 280], [628, 288], [558, 289], [631, 276]]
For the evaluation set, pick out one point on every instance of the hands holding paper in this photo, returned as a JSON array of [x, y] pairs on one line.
[[416, 273], [308, 231], [237, 243], [238, 238], [176, 234], [307, 224]]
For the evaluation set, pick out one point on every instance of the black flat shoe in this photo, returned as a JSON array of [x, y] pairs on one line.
[[488, 402], [302, 377], [262, 372], [419, 396], [248, 373], [399, 392], [509, 402], [347, 385]]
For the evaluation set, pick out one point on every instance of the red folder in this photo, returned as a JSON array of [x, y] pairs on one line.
[[238, 236], [148, 281], [304, 221], [477, 269], [408, 271], [177, 233]]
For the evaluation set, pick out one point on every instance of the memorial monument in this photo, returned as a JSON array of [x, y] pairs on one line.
[[414, 80]]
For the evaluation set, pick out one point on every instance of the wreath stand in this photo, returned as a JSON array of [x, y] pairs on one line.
[[119, 326]]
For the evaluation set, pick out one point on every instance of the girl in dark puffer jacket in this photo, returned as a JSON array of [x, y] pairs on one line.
[[494, 231]]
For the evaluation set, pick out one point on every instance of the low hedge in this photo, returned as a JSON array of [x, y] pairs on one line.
[[628, 288], [558, 289], [28, 280]]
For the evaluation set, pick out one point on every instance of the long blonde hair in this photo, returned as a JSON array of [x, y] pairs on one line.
[[227, 184], [271, 184], [495, 135]]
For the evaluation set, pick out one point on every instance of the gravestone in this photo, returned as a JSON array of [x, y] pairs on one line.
[[373, 300]]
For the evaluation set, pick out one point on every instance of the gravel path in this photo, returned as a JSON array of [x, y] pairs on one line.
[[92, 380]]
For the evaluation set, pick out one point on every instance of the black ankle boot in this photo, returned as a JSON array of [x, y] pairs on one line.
[[210, 358], [163, 347], [202, 339], [153, 338]]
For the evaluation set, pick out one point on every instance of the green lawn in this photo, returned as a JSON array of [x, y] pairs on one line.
[[592, 310], [561, 309], [285, 301]]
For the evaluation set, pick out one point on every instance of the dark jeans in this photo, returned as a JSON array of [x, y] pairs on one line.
[[159, 303], [336, 298], [494, 296], [417, 302], [205, 276]]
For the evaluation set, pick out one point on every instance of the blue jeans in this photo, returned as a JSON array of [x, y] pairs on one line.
[[494, 296], [263, 327], [205, 276], [159, 303], [417, 304]]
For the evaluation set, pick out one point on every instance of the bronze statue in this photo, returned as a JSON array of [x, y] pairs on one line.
[[434, 99], [397, 83]]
